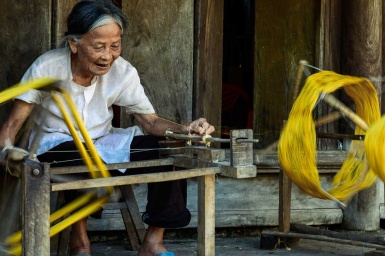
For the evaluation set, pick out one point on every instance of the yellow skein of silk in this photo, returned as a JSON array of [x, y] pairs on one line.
[[92, 160], [21, 88], [375, 149], [297, 143]]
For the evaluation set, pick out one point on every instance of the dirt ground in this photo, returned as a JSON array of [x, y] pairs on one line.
[[236, 244]]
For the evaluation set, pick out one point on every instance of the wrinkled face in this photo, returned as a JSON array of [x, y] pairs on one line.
[[96, 51]]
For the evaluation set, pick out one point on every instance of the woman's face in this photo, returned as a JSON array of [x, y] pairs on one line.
[[96, 51]]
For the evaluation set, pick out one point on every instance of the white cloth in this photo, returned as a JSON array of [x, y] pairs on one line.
[[120, 86]]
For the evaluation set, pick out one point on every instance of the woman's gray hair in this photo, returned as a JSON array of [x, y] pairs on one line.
[[87, 15]]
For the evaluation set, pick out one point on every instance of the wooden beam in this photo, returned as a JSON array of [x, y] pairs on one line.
[[206, 215], [35, 209], [361, 56], [284, 202], [128, 165], [322, 238], [208, 60], [367, 238], [133, 179]]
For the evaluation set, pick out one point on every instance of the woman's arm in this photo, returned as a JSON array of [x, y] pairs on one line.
[[19, 113], [155, 125]]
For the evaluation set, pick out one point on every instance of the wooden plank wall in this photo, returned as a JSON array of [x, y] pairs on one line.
[[328, 54], [242, 202], [159, 43], [61, 10], [25, 33], [285, 33]]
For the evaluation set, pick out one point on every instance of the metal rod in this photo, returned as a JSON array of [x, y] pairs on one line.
[[334, 102], [239, 140], [211, 139]]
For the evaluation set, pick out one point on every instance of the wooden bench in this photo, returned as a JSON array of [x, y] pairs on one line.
[[37, 188], [196, 162]]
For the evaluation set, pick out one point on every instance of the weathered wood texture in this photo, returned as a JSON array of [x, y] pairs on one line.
[[159, 44], [361, 56], [329, 36], [243, 202], [35, 209], [253, 201], [9, 207], [362, 40], [208, 60], [328, 55], [23, 38], [284, 202], [284, 35], [367, 238], [60, 12], [206, 215], [383, 63]]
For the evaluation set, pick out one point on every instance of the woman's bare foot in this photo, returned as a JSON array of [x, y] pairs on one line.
[[153, 242], [79, 242]]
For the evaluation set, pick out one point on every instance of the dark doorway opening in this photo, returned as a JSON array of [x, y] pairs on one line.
[[238, 65]]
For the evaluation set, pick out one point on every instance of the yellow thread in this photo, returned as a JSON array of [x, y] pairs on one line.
[[14, 240], [21, 88], [297, 144], [374, 146]]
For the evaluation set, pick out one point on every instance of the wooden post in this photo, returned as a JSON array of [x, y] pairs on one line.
[[35, 209], [284, 206], [284, 202], [361, 56], [132, 211], [208, 52], [206, 215]]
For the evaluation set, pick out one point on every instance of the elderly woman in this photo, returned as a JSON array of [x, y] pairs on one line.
[[91, 70]]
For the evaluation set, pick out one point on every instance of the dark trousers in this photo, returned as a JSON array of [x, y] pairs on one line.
[[166, 201]]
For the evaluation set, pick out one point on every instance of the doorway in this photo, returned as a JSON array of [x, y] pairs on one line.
[[238, 65]]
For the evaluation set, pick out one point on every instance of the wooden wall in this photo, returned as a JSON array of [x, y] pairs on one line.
[[285, 33], [328, 55], [242, 203], [23, 38], [208, 50], [159, 43]]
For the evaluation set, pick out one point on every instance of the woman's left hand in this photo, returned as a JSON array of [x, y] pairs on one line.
[[200, 126]]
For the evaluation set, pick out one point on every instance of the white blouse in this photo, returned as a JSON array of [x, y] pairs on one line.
[[120, 86]]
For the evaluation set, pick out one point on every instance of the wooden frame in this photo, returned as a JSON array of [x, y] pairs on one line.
[[36, 225]]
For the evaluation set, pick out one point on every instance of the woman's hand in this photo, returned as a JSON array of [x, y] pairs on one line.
[[200, 126]]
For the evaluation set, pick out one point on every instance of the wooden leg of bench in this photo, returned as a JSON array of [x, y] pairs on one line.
[[59, 242], [63, 242], [35, 209], [206, 215], [130, 228], [133, 213], [54, 205], [10, 193]]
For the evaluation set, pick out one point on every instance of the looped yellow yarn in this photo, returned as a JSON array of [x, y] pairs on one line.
[[297, 143], [375, 149]]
